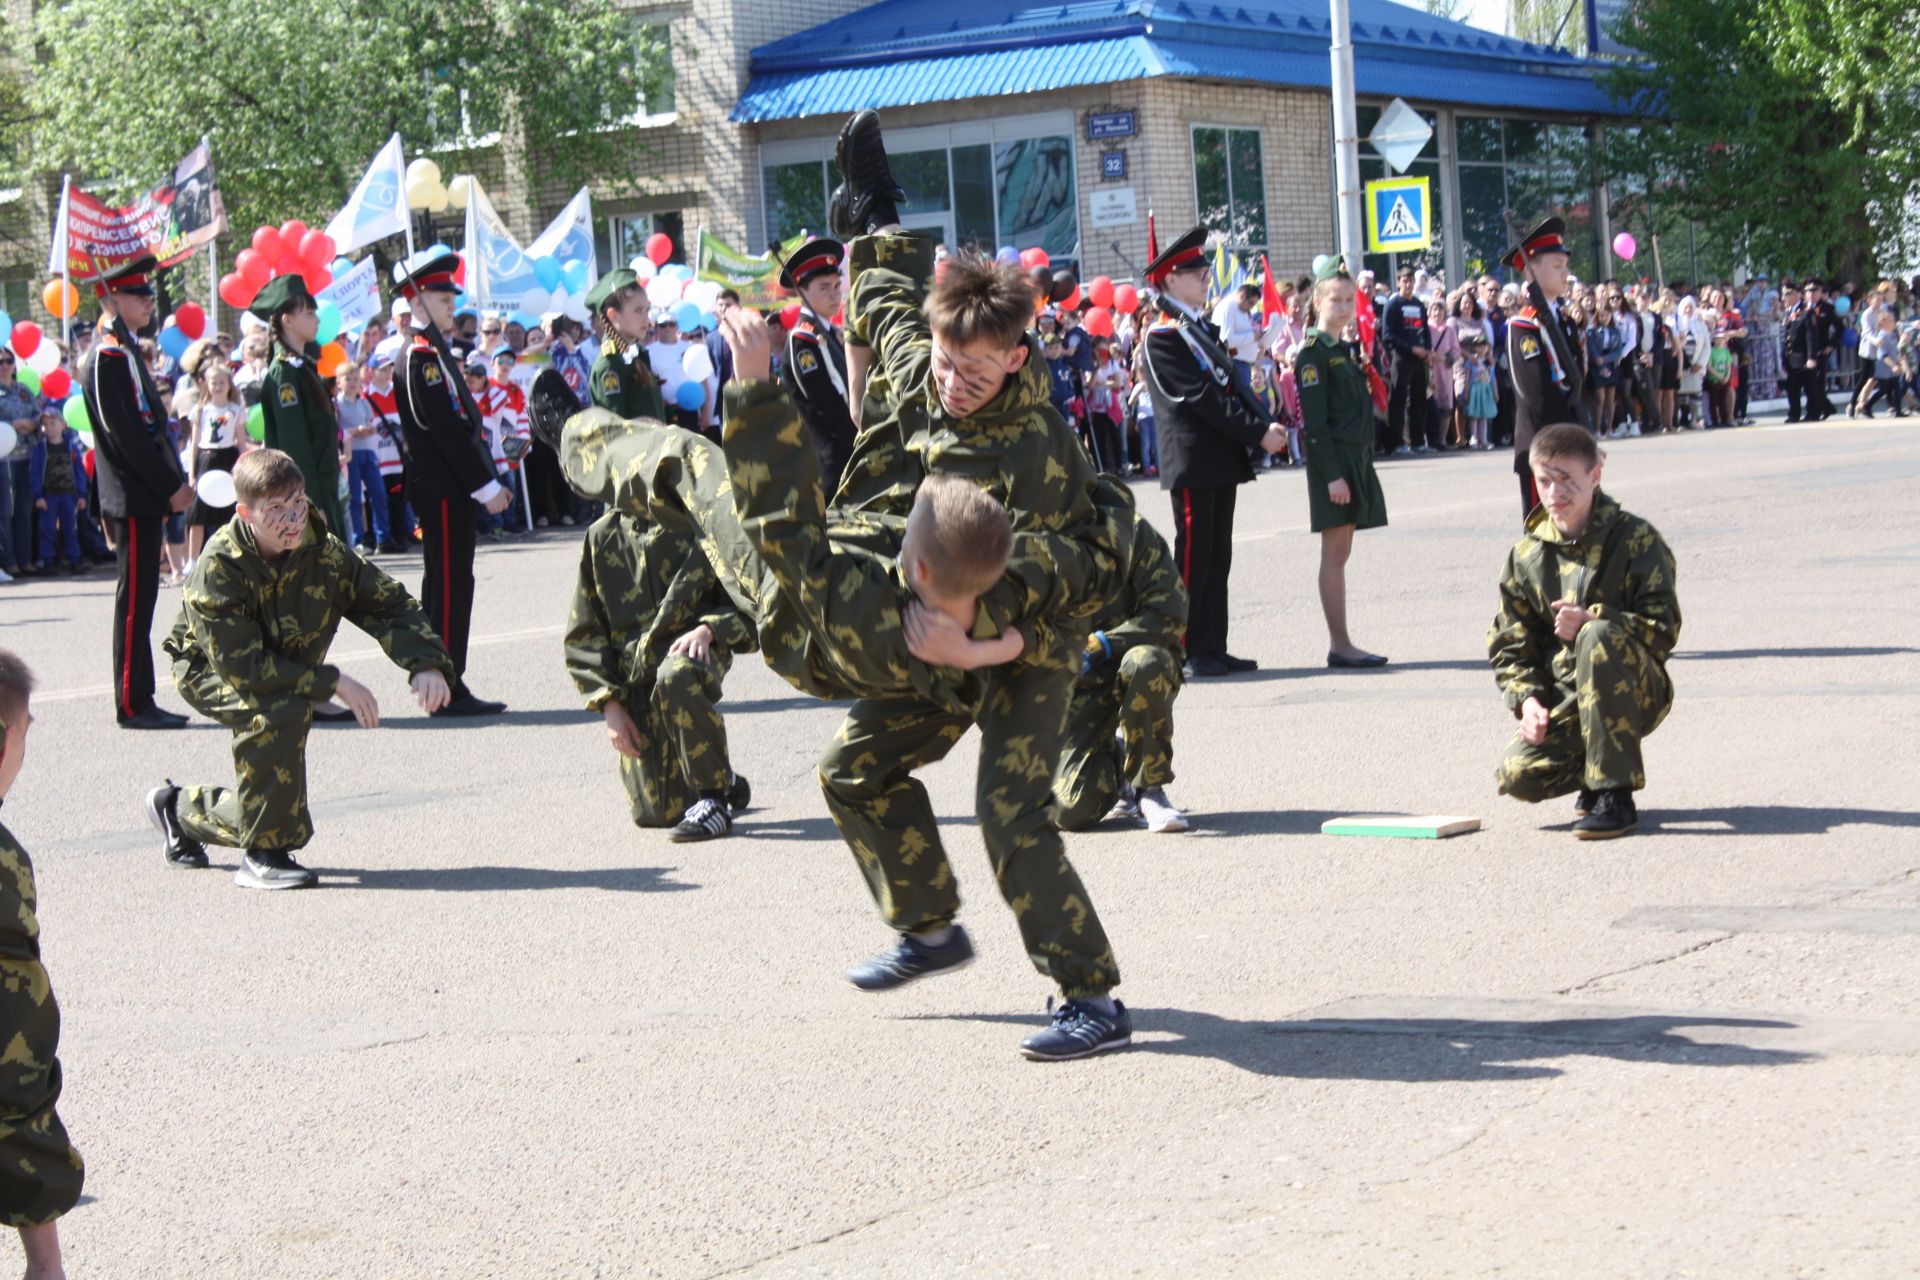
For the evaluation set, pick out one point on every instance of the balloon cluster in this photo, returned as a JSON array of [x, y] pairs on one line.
[[182, 329], [671, 285], [290, 249], [37, 358]]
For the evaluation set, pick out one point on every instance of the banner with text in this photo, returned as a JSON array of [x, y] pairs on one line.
[[169, 222], [754, 276], [356, 292]]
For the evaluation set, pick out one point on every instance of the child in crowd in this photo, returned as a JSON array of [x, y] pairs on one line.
[[1482, 402], [490, 524], [507, 433], [401, 525], [176, 526], [40, 1171], [366, 493], [57, 477], [1589, 615], [249, 651], [1719, 382], [216, 436], [1888, 381], [1602, 340]]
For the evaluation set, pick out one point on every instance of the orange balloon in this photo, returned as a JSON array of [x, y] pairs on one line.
[[332, 356], [61, 298]]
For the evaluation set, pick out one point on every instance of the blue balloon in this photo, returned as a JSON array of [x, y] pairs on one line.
[[340, 267], [437, 250], [174, 342], [547, 272], [1008, 254], [574, 274], [1842, 304], [686, 315], [691, 395], [6, 328], [678, 270], [709, 321]]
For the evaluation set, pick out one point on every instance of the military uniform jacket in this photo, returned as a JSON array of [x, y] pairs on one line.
[[1544, 393], [447, 453], [264, 631], [1619, 569], [624, 383], [1811, 334], [299, 420], [815, 372], [631, 602], [136, 467], [1152, 609], [1206, 421]]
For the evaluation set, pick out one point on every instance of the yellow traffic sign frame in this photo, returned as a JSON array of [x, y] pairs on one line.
[[1383, 189]]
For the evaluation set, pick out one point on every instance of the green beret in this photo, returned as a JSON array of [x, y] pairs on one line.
[[279, 293], [607, 285]]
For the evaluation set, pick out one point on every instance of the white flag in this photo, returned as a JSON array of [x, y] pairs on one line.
[[569, 237], [57, 260], [378, 207], [499, 271]]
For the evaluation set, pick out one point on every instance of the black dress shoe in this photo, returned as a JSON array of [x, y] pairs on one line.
[[1368, 660], [465, 704], [1239, 664], [550, 402], [152, 718], [867, 196], [1207, 667]]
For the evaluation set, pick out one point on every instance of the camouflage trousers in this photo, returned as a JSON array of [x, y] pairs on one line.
[[40, 1172], [884, 814], [1621, 693], [683, 740], [1135, 701], [267, 806]]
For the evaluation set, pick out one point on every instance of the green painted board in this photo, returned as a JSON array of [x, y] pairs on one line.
[[1427, 827]]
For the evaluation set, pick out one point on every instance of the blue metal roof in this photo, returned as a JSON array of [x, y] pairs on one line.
[[901, 52]]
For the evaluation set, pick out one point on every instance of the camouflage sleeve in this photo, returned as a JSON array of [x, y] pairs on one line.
[[1515, 644], [592, 658], [732, 630], [686, 598], [1651, 614], [235, 646], [1160, 599], [384, 610], [1085, 541], [887, 285], [39, 1169]]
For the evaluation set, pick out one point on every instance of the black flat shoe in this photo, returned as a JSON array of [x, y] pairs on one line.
[[152, 718], [465, 704], [1207, 668], [1239, 664], [1338, 662]]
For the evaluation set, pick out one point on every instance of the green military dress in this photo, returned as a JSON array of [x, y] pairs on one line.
[[1336, 406], [624, 383], [301, 423]]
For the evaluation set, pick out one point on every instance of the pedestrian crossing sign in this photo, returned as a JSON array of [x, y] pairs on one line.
[[1399, 215]]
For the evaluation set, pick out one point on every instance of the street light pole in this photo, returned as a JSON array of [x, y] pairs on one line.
[[1346, 139]]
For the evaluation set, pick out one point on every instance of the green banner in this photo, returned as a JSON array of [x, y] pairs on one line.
[[755, 277]]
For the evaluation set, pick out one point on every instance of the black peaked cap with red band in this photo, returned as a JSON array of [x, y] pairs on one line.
[[1185, 251], [435, 273], [134, 277], [814, 258], [1549, 237]]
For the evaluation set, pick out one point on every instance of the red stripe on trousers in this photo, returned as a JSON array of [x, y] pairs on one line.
[[133, 607]]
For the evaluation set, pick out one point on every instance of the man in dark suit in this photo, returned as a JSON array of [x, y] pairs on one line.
[[1208, 420], [141, 483]]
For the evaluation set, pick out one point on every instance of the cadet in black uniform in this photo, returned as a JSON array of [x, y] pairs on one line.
[[141, 482], [1544, 357], [1207, 420], [1812, 332], [1404, 325], [449, 466], [816, 366]]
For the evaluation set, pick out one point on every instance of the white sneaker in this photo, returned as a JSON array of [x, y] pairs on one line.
[[1157, 813], [1126, 806], [1635, 432], [5, 576]]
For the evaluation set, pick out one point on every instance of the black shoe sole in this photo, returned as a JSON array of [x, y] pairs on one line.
[[1104, 1046], [1614, 834]]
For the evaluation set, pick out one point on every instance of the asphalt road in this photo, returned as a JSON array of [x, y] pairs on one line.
[[513, 1036]]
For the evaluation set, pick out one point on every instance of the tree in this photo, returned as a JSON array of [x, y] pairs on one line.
[[1549, 22], [1790, 127], [1451, 10], [297, 97]]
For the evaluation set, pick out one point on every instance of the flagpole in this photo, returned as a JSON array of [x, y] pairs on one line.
[[61, 237]]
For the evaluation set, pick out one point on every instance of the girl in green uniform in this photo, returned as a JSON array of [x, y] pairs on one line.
[[622, 380], [297, 408], [1336, 407]]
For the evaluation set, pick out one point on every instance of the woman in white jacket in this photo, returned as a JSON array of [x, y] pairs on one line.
[[1693, 343]]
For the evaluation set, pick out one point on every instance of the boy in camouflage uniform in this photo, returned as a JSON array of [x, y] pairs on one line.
[[249, 651], [40, 1172], [1119, 753], [649, 642], [1588, 617]]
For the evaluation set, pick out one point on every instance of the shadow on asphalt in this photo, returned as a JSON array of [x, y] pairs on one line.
[[1768, 819], [1266, 674], [1263, 822], [814, 828], [1426, 1050], [1814, 651], [531, 716], [505, 879]]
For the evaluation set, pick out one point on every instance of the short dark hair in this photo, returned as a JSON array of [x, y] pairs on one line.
[[1249, 290], [1565, 440], [16, 686], [980, 298], [729, 295], [266, 473]]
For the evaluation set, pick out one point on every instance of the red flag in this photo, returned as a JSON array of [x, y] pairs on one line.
[[1269, 293], [1153, 241]]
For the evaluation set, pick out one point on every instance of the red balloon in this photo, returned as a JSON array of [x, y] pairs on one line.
[[26, 338], [1100, 291], [460, 272], [317, 278], [790, 316], [1100, 322], [316, 249], [659, 248], [191, 320], [252, 266], [1126, 298], [291, 232], [1031, 258], [840, 319], [236, 290], [266, 242], [56, 385]]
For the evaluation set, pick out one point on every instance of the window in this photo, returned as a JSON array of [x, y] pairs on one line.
[[973, 197], [1229, 185], [1037, 204], [1534, 170], [456, 114], [649, 74], [627, 237], [797, 199]]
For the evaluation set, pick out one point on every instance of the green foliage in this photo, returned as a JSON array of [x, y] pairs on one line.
[[1550, 22], [1452, 10], [1791, 127], [297, 97]]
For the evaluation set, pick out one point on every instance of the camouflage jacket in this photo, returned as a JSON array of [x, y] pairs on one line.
[[264, 630], [1152, 609], [1620, 569], [640, 588]]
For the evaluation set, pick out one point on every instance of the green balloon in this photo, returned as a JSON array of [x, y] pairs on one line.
[[329, 324], [30, 380], [75, 412], [256, 422]]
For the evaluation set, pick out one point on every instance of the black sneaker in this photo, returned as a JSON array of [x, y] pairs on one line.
[[182, 850], [1583, 803], [1207, 667], [1612, 816], [1079, 1030], [273, 869], [550, 402], [705, 819], [867, 196], [908, 959], [739, 795]]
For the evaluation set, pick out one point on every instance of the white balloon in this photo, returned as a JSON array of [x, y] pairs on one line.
[[423, 170], [215, 488], [663, 291], [8, 438], [697, 364], [702, 294], [643, 268], [45, 358]]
